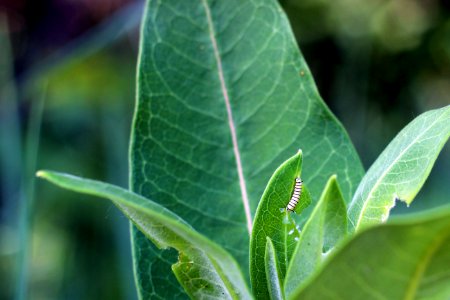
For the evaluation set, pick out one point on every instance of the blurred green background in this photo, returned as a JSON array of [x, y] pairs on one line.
[[67, 82]]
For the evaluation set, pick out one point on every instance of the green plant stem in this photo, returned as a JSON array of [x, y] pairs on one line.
[[27, 196]]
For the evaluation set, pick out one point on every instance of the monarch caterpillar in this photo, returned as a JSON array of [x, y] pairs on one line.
[[295, 195]]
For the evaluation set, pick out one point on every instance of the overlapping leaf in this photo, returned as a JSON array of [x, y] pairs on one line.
[[402, 168], [273, 273], [326, 226], [408, 258], [274, 222], [221, 276]]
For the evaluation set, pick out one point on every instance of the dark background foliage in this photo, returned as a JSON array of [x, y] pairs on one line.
[[377, 64]]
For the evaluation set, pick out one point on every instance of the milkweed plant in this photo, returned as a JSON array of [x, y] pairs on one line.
[[225, 102]]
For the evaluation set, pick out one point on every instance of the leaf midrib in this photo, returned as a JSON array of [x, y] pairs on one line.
[[237, 155]]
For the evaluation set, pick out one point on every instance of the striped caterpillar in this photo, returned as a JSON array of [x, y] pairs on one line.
[[295, 195]]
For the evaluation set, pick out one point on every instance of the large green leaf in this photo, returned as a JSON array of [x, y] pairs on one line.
[[326, 226], [222, 278], [407, 258], [272, 221], [402, 168], [223, 97]]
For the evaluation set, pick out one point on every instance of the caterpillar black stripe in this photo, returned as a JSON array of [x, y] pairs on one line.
[[295, 195]]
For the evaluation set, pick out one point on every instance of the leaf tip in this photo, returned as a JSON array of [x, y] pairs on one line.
[[41, 174], [332, 182], [299, 158], [47, 175]]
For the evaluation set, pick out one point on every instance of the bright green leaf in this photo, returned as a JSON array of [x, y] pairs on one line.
[[222, 274], [402, 168], [223, 97], [271, 220], [407, 258], [326, 226], [274, 283]]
